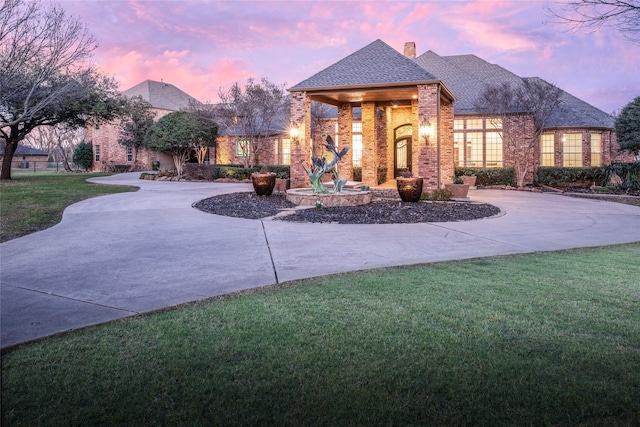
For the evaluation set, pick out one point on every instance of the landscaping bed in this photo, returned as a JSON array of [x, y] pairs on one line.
[[385, 208]]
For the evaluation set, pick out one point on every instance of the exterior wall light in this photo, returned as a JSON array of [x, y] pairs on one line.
[[426, 131], [294, 132]]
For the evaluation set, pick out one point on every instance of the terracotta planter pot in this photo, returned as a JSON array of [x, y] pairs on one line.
[[458, 191], [263, 183], [282, 184], [469, 180], [410, 189]]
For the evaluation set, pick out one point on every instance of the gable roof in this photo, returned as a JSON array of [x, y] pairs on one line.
[[376, 64], [161, 95]]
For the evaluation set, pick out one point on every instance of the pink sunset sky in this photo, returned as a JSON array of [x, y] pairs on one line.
[[201, 46]]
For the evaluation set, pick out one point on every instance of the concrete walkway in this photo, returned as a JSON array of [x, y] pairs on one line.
[[119, 255]]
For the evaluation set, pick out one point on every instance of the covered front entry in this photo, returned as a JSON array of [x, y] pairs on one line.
[[405, 120]]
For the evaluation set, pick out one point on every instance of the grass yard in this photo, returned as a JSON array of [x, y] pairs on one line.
[[537, 339], [35, 201]]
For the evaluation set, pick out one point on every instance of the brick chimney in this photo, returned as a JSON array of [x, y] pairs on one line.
[[410, 50]]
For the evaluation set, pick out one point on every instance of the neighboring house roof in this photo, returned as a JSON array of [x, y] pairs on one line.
[[376, 64], [25, 151], [161, 95]]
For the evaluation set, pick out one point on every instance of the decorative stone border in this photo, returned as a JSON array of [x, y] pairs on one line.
[[304, 196]]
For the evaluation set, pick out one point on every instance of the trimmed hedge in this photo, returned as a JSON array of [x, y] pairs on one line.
[[240, 173], [564, 177], [489, 176]]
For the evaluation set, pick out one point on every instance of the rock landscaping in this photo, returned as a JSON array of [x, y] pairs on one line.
[[385, 208]]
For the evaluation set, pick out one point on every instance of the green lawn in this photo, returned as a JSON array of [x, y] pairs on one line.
[[537, 339], [35, 201]]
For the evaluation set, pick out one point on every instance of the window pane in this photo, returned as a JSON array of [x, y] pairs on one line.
[[286, 151], [357, 150], [596, 144], [96, 153], [357, 127], [494, 123], [572, 150], [474, 123], [547, 150], [129, 154], [494, 150], [458, 124], [458, 149], [474, 149]]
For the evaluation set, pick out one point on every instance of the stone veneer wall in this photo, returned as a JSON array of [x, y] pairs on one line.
[[345, 130], [369, 145]]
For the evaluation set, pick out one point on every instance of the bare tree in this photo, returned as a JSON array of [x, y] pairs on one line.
[[623, 15], [45, 79], [524, 111], [59, 141], [253, 115]]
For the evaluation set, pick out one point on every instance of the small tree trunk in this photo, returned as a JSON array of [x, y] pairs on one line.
[[9, 151], [65, 162]]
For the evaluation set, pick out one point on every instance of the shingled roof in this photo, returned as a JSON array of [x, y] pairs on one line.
[[374, 65], [161, 95], [468, 75]]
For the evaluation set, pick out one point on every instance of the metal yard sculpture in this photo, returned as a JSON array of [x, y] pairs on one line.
[[320, 166]]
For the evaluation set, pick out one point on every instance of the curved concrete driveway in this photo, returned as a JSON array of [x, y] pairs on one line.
[[119, 255]]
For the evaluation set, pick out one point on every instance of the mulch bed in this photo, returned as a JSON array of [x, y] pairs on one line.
[[385, 208]]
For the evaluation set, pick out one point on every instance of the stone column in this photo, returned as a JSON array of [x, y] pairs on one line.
[[369, 145], [345, 132], [426, 152], [300, 154]]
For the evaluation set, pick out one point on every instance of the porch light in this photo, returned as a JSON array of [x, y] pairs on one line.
[[426, 131], [294, 132]]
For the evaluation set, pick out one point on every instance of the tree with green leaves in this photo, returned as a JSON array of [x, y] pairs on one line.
[[83, 156], [138, 119], [46, 78], [628, 127], [180, 134]]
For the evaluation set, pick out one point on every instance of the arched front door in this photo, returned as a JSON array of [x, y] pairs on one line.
[[402, 149]]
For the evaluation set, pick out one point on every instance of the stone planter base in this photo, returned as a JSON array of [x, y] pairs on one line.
[[305, 196]]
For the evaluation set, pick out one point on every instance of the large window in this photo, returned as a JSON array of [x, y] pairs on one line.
[[357, 144], [478, 142], [493, 142], [96, 152], [547, 150], [596, 149], [572, 150]]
